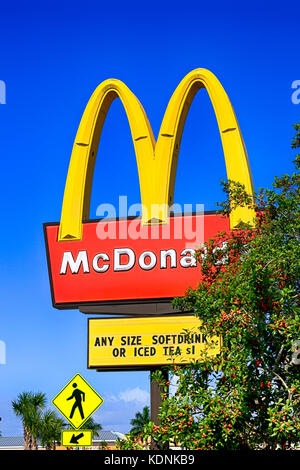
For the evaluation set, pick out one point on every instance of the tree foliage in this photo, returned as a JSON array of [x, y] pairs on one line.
[[139, 421], [249, 396], [135, 439], [39, 425], [93, 426], [49, 429], [28, 406]]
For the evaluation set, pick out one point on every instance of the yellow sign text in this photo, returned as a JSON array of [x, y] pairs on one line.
[[144, 342]]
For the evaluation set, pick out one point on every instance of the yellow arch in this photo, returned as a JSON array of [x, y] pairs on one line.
[[168, 143], [78, 187], [156, 163]]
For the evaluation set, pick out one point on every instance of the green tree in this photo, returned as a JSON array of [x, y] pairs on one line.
[[49, 429], [249, 396], [28, 406], [140, 420], [137, 437], [93, 426]]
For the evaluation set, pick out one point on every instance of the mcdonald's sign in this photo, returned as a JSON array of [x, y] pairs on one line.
[[149, 258]]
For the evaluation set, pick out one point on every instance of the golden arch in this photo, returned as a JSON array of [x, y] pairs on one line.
[[156, 163]]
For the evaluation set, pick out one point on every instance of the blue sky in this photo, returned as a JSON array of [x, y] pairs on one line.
[[53, 55]]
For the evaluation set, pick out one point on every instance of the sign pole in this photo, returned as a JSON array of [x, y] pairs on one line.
[[155, 404]]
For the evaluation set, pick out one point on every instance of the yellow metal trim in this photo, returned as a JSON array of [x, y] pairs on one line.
[[156, 163]]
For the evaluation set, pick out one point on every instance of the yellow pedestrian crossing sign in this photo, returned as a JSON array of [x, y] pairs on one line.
[[77, 401]]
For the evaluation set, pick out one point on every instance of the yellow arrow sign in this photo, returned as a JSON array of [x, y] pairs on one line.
[[82, 438], [77, 401]]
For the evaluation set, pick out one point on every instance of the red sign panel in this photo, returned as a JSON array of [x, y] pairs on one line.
[[121, 261]]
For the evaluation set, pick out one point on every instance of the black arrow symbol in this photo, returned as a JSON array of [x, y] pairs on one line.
[[74, 439]]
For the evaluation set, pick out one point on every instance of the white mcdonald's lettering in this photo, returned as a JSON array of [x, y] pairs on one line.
[[125, 259], [74, 265]]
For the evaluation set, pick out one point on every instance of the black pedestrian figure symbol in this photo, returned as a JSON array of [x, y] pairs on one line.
[[79, 396]]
